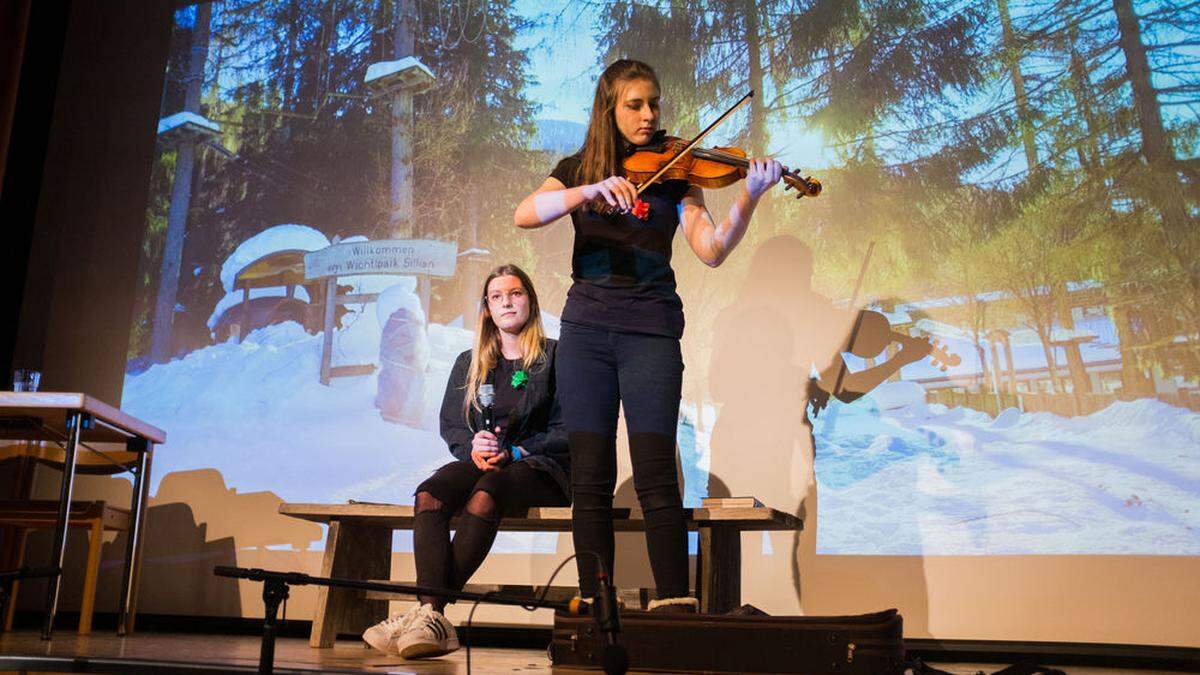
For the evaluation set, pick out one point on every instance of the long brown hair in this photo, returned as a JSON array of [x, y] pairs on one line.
[[486, 352], [603, 147]]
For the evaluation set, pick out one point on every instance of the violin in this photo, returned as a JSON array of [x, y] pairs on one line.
[[870, 335], [668, 157], [874, 333], [709, 168]]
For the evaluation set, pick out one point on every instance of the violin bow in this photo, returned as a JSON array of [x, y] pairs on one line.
[[694, 142], [862, 272]]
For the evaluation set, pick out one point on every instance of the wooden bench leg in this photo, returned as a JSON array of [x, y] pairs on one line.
[[88, 604], [352, 551], [719, 569]]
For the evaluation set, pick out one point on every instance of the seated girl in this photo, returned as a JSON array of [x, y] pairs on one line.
[[519, 462]]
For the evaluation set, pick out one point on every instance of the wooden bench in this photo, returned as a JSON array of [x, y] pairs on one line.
[[359, 546]]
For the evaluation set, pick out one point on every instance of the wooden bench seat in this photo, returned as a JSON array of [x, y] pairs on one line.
[[359, 546], [633, 598]]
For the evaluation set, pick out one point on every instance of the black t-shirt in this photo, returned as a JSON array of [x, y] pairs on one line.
[[507, 397], [621, 266]]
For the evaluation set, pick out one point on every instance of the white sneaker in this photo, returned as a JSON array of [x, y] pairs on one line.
[[382, 636], [428, 634]]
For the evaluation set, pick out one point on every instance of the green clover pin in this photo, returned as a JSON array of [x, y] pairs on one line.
[[519, 379]]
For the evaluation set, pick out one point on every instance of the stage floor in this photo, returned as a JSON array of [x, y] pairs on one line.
[[158, 652]]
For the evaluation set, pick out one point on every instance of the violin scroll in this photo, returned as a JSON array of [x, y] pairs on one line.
[[943, 358], [805, 187]]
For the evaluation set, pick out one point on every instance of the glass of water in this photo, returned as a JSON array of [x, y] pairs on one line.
[[25, 379]]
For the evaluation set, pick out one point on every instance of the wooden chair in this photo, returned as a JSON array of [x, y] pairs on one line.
[[22, 515]]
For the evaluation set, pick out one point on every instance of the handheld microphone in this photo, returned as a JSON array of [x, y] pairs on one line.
[[487, 397]]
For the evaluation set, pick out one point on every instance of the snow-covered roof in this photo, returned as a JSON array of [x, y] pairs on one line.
[[897, 317], [991, 296], [942, 330], [1067, 334], [184, 118], [1085, 285], [289, 237], [408, 71]]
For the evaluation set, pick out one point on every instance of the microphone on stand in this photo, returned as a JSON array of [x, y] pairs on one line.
[[616, 659], [604, 610]]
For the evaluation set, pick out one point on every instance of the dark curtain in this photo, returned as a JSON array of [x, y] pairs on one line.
[[14, 22]]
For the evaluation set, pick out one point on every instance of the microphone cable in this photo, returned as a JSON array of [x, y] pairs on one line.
[[536, 603]]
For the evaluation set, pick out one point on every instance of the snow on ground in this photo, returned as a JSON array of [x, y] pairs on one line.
[[932, 480], [896, 476], [257, 412]]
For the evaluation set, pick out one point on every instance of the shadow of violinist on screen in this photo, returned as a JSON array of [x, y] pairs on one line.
[[777, 360]]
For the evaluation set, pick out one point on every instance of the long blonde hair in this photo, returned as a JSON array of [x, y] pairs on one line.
[[603, 146], [486, 352]]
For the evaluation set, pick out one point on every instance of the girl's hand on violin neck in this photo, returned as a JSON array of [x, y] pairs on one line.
[[616, 190], [762, 174]]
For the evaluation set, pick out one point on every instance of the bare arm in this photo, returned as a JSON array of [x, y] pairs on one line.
[[553, 200], [713, 243]]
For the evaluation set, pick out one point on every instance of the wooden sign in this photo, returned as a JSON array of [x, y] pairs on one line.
[[384, 256]]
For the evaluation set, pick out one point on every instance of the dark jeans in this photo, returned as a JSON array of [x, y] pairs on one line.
[[597, 371], [443, 563]]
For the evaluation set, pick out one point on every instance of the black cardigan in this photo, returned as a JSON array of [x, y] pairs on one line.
[[535, 424]]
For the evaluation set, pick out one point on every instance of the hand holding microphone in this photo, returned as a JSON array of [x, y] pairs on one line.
[[485, 446]]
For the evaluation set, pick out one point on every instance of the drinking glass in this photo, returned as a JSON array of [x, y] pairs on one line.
[[25, 379]]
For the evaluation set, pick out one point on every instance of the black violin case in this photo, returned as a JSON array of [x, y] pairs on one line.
[[868, 644]]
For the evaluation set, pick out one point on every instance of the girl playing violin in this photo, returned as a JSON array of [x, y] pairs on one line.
[[623, 321]]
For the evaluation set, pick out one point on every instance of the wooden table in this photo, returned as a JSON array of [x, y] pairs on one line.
[[73, 420], [359, 546]]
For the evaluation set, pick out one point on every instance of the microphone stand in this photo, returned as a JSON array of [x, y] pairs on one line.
[[275, 591], [7, 577]]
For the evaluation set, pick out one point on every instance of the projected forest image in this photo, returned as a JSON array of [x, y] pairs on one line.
[[1016, 181]]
